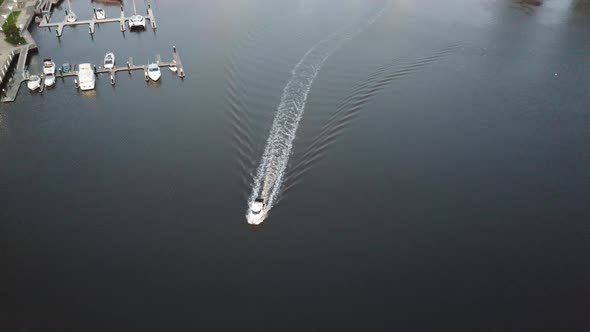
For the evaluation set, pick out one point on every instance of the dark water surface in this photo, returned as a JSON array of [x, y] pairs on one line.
[[440, 177]]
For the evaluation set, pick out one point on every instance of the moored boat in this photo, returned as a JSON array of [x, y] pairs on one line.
[[34, 82], [109, 60]]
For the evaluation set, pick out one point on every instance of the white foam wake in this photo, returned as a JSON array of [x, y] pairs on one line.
[[270, 172]]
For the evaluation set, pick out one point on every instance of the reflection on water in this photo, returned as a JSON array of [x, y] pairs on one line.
[[527, 6], [89, 94], [154, 84]]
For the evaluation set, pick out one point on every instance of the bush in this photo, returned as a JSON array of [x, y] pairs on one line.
[[11, 31]]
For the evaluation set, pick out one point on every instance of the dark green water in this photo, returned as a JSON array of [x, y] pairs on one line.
[[439, 179]]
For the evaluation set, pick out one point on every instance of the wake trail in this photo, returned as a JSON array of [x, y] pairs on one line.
[[271, 170]]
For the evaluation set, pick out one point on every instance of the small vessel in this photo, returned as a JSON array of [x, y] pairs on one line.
[[34, 82], [66, 68], [86, 78], [71, 17], [109, 60], [154, 72], [173, 67], [100, 14], [49, 71], [256, 213], [49, 79], [48, 66], [136, 21]]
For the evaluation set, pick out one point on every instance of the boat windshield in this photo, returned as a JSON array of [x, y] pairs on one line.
[[256, 207], [48, 64], [154, 69]]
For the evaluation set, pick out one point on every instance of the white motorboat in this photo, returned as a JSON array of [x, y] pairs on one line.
[[109, 60], [86, 78], [71, 17], [100, 14], [136, 21], [257, 212], [49, 71], [48, 66], [173, 67], [49, 79], [34, 82], [154, 72]]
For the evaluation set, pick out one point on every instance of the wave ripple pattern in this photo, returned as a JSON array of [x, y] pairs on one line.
[[270, 173]]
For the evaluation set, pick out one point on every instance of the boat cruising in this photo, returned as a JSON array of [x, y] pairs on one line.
[[154, 72], [34, 82], [49, 72], [100, 14], [256, 213], [86, 78], [109, 60]]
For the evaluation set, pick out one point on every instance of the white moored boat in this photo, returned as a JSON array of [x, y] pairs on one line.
[[154, 72], [109, 60], [34, 82], [136, 21], [173, 67], [100, 14], [256, 213], [86, 78], [71, 17], [49, 71]]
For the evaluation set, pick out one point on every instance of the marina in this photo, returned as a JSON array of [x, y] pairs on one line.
[[22, 75], [12, 77]]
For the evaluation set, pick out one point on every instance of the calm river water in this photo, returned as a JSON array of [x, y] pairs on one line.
[[439, 176]]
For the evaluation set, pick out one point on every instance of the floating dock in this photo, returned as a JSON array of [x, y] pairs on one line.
[[122, 19], [22, 75]]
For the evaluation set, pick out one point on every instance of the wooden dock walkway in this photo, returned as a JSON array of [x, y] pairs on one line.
[[20, 75], [122, 19]]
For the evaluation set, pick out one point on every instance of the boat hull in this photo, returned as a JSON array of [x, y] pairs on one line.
[[154, 76], [49, 80], [85, 86]]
